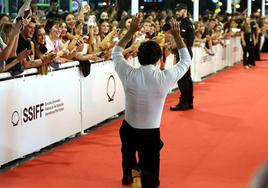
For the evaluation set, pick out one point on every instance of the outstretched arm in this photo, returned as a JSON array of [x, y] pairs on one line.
[[134, 27], [181, 67], [175, 32]]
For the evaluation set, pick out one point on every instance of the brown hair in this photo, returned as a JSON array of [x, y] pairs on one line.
[[5, 29]]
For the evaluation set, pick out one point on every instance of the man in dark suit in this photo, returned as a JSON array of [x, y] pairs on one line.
[[185, 84]]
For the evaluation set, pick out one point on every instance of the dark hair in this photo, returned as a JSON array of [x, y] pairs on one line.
[[51, 22], [101, 21], [212, 20], [53, 1], [37, 28], [4, 15], [149, 52]]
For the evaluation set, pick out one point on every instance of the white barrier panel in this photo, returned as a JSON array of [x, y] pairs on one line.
[[236, 50], [220, 53], [203, 64], [229, 61], [169, 64], [102, 94], [37, 111]]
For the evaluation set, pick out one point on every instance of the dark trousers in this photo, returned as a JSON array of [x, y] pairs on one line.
[[257, 55], [248, 54], [147, 143], [185, 85]]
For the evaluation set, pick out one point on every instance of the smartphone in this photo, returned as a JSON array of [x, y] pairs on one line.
[[84, 29], [91, 20], [26, 13], [84, 3]]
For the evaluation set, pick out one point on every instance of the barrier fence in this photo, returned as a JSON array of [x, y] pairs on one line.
[[37, 111]]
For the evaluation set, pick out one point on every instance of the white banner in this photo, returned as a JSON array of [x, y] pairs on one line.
[[37, 111], [102, 94]]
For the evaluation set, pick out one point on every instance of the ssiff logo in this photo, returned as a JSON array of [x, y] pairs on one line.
[[27, 114]]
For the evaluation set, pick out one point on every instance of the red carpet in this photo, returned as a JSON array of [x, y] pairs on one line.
[[219, 144]]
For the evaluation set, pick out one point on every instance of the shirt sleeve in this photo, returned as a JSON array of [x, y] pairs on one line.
[[121, 66], [175, 73]]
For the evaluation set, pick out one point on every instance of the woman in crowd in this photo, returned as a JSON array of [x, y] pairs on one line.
[[54, 43], [70, 22], [4, 18], [200, 39], [219, 36], [265, 33], [40, 51], [63, 35], [104, 27], [9, 35], [106, 36], [247, 42]]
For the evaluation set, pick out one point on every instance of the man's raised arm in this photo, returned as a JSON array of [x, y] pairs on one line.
[[134, 27]]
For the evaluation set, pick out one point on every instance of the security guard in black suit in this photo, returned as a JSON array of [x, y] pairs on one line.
[[185, 84]]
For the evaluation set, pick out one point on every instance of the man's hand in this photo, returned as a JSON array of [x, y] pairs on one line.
[[175, 28], [135, 24], [175, 32], [134, 27], [17, 28]]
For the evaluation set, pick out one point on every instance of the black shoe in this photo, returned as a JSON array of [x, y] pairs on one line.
[[127, 180], [191, 106], [181, 107]]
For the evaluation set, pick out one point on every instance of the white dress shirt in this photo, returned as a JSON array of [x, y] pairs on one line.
[[146, 88]]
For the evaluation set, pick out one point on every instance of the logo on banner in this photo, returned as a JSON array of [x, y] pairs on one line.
[[34, 112], [15, 118], [111, 88]]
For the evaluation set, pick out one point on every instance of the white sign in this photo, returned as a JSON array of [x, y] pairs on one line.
[[102, 94], [37, 111]]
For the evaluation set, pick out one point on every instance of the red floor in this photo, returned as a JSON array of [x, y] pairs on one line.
[[219, 144]]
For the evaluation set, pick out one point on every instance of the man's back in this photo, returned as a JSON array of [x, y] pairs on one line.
[[146, 88]]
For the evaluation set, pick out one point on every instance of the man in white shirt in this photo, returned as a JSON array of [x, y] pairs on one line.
[[145, 89]]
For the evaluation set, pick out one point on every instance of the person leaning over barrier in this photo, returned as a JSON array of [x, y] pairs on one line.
[[145, 89], [9, 34]]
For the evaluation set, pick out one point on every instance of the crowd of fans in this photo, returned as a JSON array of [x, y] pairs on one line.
[[44, 40]]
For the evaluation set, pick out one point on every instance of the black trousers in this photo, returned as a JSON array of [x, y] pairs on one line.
[[147, 143], [248, 54], [185, 85], [257, 55]]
